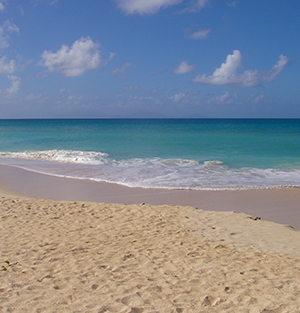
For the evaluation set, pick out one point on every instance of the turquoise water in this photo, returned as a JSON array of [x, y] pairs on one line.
[[161, 153]]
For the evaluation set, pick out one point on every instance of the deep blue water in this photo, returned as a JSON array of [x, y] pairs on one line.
[[163, 153]]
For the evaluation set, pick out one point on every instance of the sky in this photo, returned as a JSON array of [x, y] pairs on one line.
[[149, 59]]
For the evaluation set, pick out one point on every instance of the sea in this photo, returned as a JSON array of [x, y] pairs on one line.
[[197, 154]]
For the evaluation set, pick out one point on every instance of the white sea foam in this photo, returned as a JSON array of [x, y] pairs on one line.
[[151, 172], [181, 162], [215, 164], [64, 156]]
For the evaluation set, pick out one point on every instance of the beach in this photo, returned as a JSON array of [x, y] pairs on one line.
[[149, 156], [280, 205], [88, 255]]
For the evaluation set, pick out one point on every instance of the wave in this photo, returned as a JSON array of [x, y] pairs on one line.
[[98, 158], [174, 173], [64, 156]]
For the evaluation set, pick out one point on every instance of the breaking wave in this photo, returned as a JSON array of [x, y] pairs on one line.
[[151, 172], [64, 156]]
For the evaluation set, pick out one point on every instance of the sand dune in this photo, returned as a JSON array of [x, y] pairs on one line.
[[92, 257]]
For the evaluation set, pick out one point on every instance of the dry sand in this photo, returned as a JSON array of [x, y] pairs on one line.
[[93, 257], [277, 205]]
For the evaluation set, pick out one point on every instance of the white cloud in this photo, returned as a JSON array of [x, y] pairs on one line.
[[153, 6], [11, 27], [184, 68], [196, 5], [156, 91], [121, 70], [130, 88], [83, 55], [179, 96], [144, 6], [200, 34], [7, 27], [227, 74], [37, 98], [7, 67], [258, 98], [62, 90], [69, 100], [2, 7], [183, 98], [3, 39], [45, 2], [15, 84], [70, 97], [111, 56], [221, 99], [233, 4]]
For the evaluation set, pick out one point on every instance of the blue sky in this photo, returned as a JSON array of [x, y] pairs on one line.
[[149, 58]]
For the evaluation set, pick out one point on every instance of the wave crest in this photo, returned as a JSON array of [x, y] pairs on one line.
[[151, 172], [64, 156]]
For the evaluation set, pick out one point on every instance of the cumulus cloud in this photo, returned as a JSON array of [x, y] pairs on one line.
[[83, 55], [221, 99], [15, 84], [227, 74], [144, 6], [45, 2], [62, 90], [178, 97], [69, 100], [200, 34], [7, 67], [130, 88], [4, 29], [121, 70], [37, 98], [156, 91], [111, 56], [233, 4], [256, 98], [183, 98], [153, 6], [195, 6], [11, 27], [184, 68], [3, 39]]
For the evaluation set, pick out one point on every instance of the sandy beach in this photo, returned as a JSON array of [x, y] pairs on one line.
[[87, 255]]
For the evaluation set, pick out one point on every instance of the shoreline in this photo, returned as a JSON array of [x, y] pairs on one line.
[[278, 205], [69, 254]]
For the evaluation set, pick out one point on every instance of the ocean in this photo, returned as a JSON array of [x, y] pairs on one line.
[[199, 154]]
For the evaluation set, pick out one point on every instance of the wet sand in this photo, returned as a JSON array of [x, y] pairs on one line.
[[83, 256], [277, 205]]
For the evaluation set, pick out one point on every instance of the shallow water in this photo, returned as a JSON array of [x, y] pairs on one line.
[[160, 153]]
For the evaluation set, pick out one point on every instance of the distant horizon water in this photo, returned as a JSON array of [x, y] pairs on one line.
[[198, 154]]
